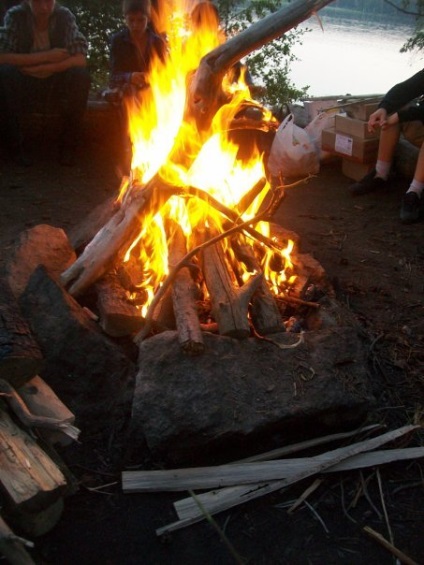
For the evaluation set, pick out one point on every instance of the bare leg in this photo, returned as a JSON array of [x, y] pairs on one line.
[[388, 141]]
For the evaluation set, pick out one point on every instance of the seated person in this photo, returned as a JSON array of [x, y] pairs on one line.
[[397, 114], [42, 51], [132, 50]]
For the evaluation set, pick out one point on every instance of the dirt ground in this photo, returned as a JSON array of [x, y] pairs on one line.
[[376, 266]]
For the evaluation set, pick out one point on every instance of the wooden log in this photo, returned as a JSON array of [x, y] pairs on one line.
[[205, 90], [13, 547], [20, 356], [183, 297], [114, 238], [117, 316], [229, 304], [31, 420], [30, 480], [266, 317], [42, 401]]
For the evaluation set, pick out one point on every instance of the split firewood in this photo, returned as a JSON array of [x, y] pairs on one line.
[[41, 401], [266, 317], [229, 303], [183, 296], [113, 240], [20, 355], [12, 547], [29, 419], [117, 316], [244, 473], [30, 480], [205, 90]]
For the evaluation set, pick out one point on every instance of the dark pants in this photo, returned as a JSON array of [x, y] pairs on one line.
[[66, 91]]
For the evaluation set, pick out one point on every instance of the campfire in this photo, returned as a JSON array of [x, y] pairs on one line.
[[192, 221], [238, 334]]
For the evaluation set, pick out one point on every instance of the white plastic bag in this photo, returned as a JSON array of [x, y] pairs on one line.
[[322, 121], [293, 153]]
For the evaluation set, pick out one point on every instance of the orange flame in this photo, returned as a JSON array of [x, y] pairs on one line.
[[167, 143]]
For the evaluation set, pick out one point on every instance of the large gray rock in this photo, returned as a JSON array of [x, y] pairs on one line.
[[89, 372], [247, 393]]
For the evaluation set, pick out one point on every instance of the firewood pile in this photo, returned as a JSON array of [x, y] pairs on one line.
[[33, 420]]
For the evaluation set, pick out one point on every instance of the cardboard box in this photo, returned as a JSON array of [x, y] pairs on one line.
[[354, 170], [355, 127], [361, 110], [355, 148]]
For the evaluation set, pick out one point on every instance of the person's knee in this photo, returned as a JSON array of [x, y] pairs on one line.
[[414, 132]]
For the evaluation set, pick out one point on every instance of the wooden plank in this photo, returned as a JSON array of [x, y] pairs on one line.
[[201, 478], [188, 508], [255, 492]]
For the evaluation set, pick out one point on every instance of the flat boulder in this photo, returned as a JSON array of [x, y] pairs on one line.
[[250, 393]]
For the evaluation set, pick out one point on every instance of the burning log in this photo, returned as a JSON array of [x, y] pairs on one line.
[[183, 296], [118, 317], [116, 236], [229, 304], [206, 87]]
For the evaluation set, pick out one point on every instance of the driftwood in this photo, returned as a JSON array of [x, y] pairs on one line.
[[183, 296], [206, 87]]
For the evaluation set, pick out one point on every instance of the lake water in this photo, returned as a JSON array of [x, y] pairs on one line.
[[352, 58]]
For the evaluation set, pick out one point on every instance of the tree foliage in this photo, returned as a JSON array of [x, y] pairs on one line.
[[269, 66]]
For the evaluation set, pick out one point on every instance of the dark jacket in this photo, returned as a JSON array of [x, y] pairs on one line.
[[403, 94], [16, 36], [124, 57]]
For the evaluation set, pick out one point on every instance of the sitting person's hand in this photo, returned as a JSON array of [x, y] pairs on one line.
[[56, 55], [377, 120]]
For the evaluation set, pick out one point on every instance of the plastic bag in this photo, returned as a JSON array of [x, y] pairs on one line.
[[293, 153], [322, 121]]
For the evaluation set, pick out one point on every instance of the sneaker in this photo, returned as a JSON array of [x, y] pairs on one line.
[[410, 209], [370, 183]]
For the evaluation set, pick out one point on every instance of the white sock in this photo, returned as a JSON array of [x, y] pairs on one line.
[[417, 187], [382, 169]]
